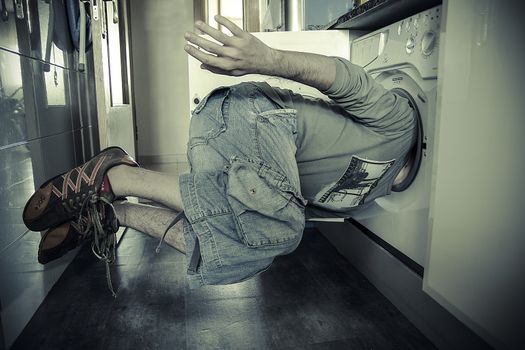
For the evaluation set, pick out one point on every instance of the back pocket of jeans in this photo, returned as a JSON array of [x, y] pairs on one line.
[[267, 210]]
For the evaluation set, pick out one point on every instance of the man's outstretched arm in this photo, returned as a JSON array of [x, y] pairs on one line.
[[357, 92], [243, 53]]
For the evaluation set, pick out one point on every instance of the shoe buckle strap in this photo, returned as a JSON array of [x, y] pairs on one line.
[[177, 218]]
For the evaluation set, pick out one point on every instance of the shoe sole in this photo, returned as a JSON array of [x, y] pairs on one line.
[[37, 204], [49, 248]]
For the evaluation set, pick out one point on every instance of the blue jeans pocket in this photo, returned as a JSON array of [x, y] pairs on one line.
[[267, 210], [203, 102], [207, 121]]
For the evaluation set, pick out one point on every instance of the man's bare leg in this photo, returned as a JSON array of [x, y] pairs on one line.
[[151, 220], [138, 182]]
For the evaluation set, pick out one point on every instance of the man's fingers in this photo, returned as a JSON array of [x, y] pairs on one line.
[[201, 56], [224, 63], [208, 45], [230, 25], [234, 72], [214, 33], [215, 69]]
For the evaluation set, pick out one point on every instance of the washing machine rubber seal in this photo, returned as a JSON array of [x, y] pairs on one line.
[[417, 149]]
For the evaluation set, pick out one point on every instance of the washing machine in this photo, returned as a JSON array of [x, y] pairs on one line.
[[403, 57]]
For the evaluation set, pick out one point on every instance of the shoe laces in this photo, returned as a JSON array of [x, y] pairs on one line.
[[104, 226]]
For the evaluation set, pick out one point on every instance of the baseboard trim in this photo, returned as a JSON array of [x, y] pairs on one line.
[[402, 286], [411, 264]]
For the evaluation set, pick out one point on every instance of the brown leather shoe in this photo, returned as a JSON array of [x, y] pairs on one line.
[[64, 197], [59, 240]]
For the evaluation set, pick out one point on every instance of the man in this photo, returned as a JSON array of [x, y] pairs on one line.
[[262, 159]]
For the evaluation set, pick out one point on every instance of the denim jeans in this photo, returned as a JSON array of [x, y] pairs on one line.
[[242, 198]]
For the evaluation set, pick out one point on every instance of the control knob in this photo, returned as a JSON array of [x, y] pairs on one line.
[[411, 43], [428, 43]]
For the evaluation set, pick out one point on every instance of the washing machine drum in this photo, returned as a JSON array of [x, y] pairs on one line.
[[408, 173]]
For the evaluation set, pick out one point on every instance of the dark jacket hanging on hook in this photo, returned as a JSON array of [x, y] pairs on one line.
[[74, 19]]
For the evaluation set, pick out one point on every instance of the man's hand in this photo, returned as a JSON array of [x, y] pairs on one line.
[[243, 53], [238, 55]]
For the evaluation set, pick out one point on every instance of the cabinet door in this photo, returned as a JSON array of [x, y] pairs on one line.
[[111, 53], [476, 260]]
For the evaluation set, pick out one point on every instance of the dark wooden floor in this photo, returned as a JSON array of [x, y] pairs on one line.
[[311, 299]]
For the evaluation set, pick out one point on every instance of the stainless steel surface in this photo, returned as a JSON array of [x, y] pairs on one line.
[[24, 281], [8, 34], [13, 118], [46, 128], [53, 99], [28, 35], [16, 185], [294, 15]]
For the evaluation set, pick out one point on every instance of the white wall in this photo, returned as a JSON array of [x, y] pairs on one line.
[[160, 77]]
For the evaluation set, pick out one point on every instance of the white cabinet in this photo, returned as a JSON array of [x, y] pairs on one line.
[[476, 260]]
